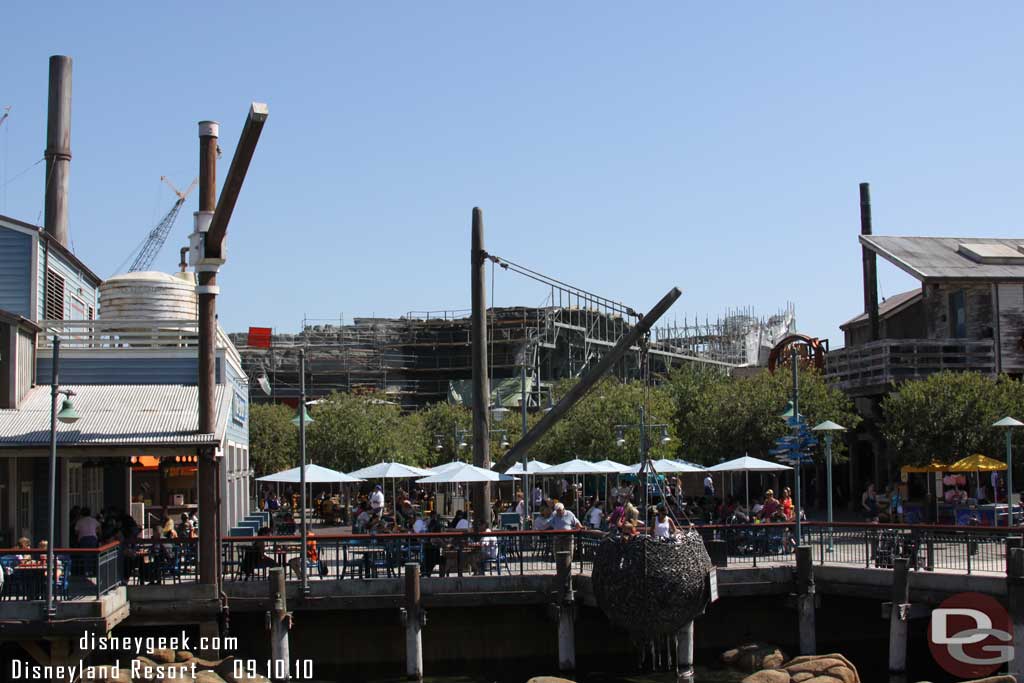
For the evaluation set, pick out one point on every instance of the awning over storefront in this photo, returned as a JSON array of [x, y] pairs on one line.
[[116, 420]]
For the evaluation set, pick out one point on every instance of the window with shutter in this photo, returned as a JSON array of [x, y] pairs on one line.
[[54, 309]]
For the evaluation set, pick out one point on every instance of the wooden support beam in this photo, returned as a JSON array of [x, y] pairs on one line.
[[236, 176], [587, 382]]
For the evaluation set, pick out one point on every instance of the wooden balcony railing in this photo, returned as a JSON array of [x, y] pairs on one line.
[[873, 366], [129, 334]]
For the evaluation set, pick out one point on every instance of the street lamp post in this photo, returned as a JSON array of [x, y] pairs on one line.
[[794, 422], [829, 428], [301, 419], [1008, 423], [620, 441], [522, 407], [67, 415]]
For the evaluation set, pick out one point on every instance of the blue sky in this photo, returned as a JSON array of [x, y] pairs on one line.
[[622, 147]]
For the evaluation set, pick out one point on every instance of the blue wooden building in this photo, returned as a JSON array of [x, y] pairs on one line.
[[135, 382]]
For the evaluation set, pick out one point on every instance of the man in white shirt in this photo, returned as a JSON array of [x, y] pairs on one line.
[[420, 525], [87, 530], [377, 499], [595, 516]]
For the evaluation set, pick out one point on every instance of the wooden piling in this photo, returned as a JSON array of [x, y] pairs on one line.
[[413, 623], [279, 620], [684, 651], [1015, 595], [566, 612], [805, 598], [899, 616]]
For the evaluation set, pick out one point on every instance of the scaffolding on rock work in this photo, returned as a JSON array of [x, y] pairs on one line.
[[415, 359]]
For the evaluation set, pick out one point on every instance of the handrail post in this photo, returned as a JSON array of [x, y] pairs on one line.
[[1015, 595], [970, 546], [899, 615], [805, 599]]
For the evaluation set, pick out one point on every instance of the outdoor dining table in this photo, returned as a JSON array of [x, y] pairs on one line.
[[29, 580], [471, 555], [371, 558], [281, 553]]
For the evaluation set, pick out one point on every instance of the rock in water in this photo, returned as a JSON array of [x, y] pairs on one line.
[[753, 657], [833, 668], [652, 588], [768, 676]]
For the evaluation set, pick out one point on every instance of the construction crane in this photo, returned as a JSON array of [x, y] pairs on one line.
[[157, 236]]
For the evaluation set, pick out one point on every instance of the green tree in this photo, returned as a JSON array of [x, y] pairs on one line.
[[948, 415], [588, 430], [353, 431], [721, 418], [273, 439], [445, 424]]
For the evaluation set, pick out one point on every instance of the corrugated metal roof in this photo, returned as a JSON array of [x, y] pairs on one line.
[[118, 414], [938, 258], [892, 304]]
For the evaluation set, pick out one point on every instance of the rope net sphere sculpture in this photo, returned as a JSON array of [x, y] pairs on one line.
[[649, 587]]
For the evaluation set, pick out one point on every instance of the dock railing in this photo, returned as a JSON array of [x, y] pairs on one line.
[[90, 573], [928, 547], [81, 573]]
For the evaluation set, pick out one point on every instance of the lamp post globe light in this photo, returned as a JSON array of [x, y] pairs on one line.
[[1009, 424], [66, 415], [829, 428]]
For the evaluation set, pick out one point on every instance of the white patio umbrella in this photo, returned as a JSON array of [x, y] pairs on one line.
[[575, 467], [465, 474], [445, 467], [611, 467], [392, 471], [746, 464], [666, 466], [532, 467], [315, 474]]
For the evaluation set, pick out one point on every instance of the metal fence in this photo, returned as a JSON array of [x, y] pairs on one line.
[[927, 547], [90, 573], [80, 573], [369, 556]]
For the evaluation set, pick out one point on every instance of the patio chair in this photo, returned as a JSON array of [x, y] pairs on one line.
[[169, 564], [495, 556], [62, 583], [7, 565]]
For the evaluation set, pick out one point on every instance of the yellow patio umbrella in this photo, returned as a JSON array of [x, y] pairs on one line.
[[978, 463], [933, 466]]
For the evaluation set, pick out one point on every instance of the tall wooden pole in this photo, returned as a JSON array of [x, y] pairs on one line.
[[869, 263], [209, 505], [481, 492], [58, 149]]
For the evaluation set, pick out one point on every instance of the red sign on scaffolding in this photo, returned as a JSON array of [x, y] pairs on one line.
[[259, 337]]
